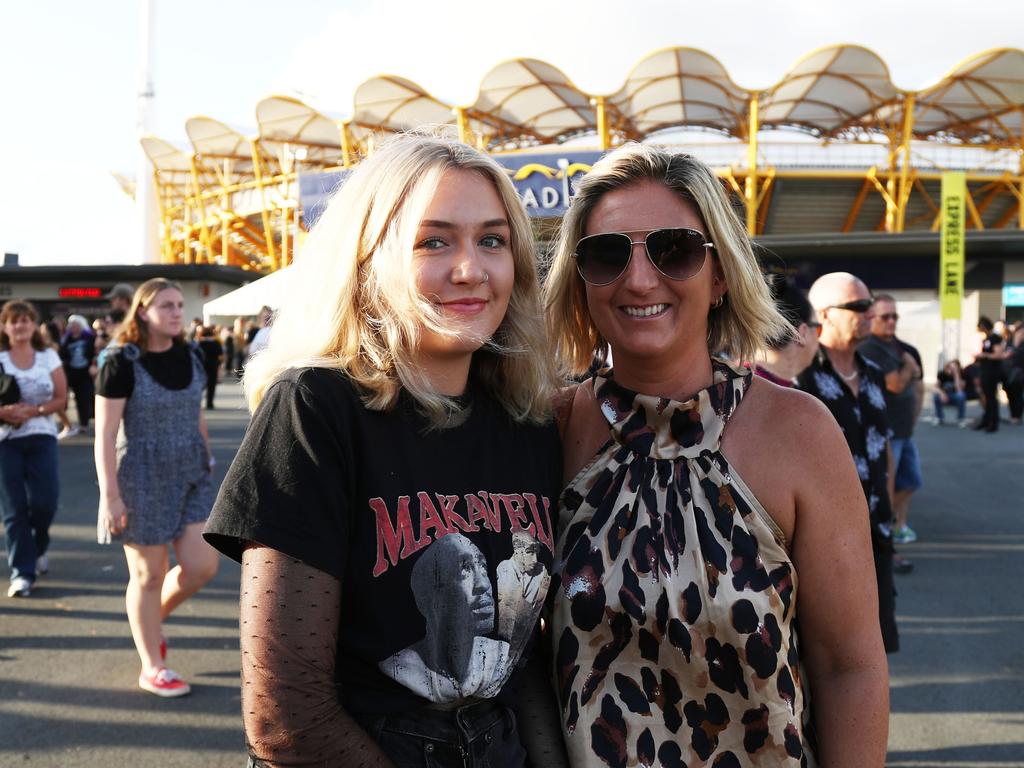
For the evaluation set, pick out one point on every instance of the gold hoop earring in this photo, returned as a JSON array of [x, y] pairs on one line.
[[719, 301]]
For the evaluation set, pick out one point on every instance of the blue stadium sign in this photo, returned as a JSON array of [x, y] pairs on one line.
[[544, 181]]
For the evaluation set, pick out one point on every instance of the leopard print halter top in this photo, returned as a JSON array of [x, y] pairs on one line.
[[674, 637]]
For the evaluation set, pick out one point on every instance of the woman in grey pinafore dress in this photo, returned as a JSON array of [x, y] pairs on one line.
[[154, 471]]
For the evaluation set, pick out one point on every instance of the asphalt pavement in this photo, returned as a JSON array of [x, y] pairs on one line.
[[68, 667]]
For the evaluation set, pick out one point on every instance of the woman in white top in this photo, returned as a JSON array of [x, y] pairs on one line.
[[28, 444]]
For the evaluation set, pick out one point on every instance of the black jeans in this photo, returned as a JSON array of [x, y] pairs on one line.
[[1015, 394], [482, 735], [990, 388], [211, 384], [80, 383]]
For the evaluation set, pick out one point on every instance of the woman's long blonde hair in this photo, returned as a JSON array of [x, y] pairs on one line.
[[747, 317], [350, 302]]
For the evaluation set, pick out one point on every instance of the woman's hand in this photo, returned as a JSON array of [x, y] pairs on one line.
[[17, 414], [114, 514]]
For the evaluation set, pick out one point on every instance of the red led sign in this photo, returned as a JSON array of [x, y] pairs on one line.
[[79, 292]]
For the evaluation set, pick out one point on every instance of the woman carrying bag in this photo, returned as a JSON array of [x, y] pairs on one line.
[[32, 389]]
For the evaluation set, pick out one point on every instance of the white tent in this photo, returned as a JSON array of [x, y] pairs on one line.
[[250, 298]]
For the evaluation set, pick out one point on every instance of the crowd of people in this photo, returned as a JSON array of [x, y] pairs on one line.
[[81, 344], [698, 477]]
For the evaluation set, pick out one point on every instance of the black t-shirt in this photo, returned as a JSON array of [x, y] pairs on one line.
[[442, 539], [888, 355], [171, 369], [991, 369], [212, 352]]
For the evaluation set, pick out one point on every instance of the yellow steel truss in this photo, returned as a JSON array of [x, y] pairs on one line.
[[238, 205]]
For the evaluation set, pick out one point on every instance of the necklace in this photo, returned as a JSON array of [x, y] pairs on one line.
[[851, 377]]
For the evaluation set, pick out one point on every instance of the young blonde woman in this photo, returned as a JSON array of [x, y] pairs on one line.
[[708, 512], [155, 479], [29, 483], [390, 501]]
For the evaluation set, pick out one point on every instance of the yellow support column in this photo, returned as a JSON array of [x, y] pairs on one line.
[[268, 233], [167, 255], [891, 194], [285, 255], [463, 123], [603, 133], [750, 187], [204, 231], [905, 183], [346, 146]]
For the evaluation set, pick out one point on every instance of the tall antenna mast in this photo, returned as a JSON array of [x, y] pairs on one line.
[[145, 189]]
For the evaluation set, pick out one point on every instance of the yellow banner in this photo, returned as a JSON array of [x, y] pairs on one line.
[[951, 260]]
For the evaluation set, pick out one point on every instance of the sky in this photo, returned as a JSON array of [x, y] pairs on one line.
[[69, 73]]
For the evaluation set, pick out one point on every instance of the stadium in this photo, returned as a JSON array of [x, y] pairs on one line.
[[832, 167]]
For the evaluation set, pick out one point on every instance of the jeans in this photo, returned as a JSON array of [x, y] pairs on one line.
[[907, 462], [959, 399], [482, 735], [28, 499]]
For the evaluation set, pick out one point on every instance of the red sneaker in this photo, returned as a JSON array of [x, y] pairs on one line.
[[164, 682], [163, 648]]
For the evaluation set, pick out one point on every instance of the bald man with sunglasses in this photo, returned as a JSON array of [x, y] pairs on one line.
[[853, 389]]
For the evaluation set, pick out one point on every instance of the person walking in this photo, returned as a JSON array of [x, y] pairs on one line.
[[29, 483], [990, 363], [213, 354], [1013, 378], [853, 389], [900, 363], [155, 483], [77, 351]]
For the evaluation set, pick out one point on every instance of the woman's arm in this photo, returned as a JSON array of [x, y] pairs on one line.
[[108, 419], [837, 602], [205, 432], [59, 401], [536, 708], [290, 706]]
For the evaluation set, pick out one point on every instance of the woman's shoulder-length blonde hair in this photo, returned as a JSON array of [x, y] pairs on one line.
[[133, 329], [747, 317], [351, 304]]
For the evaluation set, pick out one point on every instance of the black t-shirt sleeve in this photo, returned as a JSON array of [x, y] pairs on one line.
[[880, 356], [288, 485], [116, 378]]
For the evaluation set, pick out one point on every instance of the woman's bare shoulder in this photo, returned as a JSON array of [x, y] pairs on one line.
[[792, 422], [786, 407]]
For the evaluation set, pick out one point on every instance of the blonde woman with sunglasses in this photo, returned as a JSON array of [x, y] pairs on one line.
[[708, 512]]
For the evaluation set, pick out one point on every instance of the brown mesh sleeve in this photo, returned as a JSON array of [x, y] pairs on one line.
[[289, 635]]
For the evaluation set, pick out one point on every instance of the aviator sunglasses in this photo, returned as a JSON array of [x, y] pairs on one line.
[[677, 253]]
